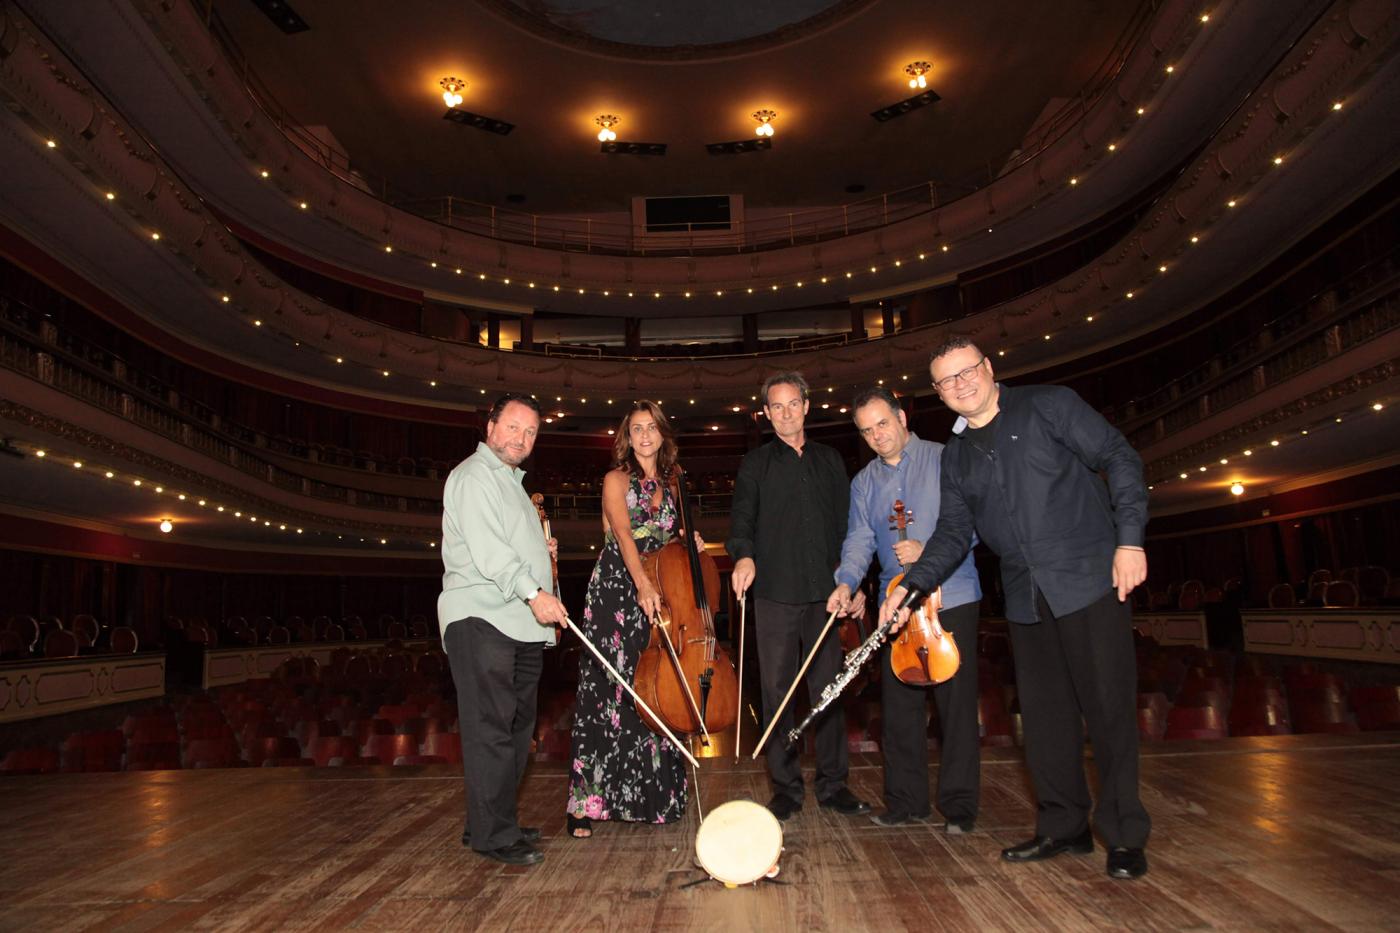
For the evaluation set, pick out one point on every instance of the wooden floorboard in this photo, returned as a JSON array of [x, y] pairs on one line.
[[1288, 833]]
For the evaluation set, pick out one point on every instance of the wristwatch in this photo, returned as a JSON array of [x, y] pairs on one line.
[[531, 597]]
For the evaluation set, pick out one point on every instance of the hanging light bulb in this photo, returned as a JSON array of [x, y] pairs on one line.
[[917, 72], [607, 121], [452, 91], [765, 122]]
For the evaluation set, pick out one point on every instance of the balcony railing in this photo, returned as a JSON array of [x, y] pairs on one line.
[[29, 346]]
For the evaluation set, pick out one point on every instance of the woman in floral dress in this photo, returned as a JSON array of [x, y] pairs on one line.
[[621, 769]]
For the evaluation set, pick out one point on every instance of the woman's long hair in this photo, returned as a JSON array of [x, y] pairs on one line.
[[625, 459]]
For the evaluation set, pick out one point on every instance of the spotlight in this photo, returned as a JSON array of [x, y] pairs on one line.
[[1237, 489], [166, 526], [451, 91], [607, 121], [765, 122]]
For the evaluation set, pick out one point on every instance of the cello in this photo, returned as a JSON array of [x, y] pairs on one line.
[[922, 654], [684, 674]]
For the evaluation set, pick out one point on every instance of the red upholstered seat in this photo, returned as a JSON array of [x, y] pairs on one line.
[[1323, 716], [288, 762], [1195, 722], [1341, 594], [211, 753], [93, 751], [36, 760], [307, 731], [1151, 724], [152, 756], [1281, 596], [355, 761], [124, 640], [260, 749], [332, 746], [398, 714], [420, 760], [445, 744], [388, 747], [361, 730], [1377, 708], [60, 644]]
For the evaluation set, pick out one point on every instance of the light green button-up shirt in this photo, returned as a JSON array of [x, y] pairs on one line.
[[494, 553]]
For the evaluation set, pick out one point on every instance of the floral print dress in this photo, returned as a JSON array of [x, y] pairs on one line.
[[621, 769]]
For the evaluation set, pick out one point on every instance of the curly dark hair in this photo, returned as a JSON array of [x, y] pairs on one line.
[[954, 342], [625, 459]]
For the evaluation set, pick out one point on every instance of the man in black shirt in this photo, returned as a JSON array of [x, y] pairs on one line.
[[788, 520], [1023, 469]]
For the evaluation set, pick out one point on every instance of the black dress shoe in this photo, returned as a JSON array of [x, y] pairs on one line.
[[896, 818], [782, 806], [1126, 863], [517, 853], [1043, 847], [528, 833], [845, 803]]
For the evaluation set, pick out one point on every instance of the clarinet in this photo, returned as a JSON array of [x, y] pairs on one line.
[[850, 668]]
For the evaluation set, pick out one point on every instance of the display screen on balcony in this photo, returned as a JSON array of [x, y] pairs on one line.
[[682, 215]]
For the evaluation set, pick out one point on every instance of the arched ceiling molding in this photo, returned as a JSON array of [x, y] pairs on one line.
[[1336, 55], [302, 177]]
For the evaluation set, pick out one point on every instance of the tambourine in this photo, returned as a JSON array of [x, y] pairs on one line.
[[740, 842]]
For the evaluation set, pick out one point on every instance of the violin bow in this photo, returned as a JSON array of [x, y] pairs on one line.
[[739, 722], [622, 681], [795, 681]]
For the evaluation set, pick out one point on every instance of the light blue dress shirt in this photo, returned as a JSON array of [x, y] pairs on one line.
[[871, 533]]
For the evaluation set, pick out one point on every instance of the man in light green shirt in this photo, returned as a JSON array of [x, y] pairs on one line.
[[496, 615]]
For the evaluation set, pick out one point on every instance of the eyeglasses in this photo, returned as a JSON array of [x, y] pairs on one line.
[[962, 375]]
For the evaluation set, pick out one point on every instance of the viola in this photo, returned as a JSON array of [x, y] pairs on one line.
[[922, 654], [684, 675]]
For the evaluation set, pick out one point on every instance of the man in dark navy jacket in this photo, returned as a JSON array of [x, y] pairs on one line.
[[1022, 471]]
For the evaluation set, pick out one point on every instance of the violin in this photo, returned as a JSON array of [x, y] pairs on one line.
[[922, 653], [684, 674], [538, 500]]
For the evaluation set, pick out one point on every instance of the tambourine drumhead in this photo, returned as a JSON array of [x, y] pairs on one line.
[[739, 842]]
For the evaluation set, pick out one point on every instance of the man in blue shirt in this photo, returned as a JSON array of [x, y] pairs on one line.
[[906, 469]]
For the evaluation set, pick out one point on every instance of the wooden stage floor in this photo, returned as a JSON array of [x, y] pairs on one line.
[[1286, 833]]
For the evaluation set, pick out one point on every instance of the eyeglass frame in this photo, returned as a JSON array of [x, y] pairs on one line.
[[963, 375]]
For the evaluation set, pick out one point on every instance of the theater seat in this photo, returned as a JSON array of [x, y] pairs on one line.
[[328, 747], [211, 753], [1377, 708], [445, 744], [38, 760], [409, 760], [152, 756], [1194, 722], [260, 749], [388, 747], [288, 763], [100, 750]]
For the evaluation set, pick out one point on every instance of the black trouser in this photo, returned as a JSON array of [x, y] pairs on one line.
[[1074, 670], [785, 633], [904, 738], [498, 682]]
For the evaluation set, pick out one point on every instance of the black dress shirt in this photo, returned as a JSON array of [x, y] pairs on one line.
[[789, 515]]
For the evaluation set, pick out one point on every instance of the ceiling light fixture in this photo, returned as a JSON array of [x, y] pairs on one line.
[[1237, 489], [607, 121], [765, 122], [452, 91], [916, 72], [166, 526]]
